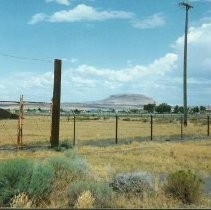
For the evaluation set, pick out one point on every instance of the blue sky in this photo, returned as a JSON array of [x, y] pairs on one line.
[[107, 47]]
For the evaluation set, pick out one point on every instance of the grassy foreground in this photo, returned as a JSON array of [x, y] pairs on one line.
[[156, 158]]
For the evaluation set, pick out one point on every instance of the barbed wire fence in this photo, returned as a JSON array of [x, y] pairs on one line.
[[99, 129]]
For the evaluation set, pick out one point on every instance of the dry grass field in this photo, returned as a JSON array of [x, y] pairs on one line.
[[37, 129], [158, 158]]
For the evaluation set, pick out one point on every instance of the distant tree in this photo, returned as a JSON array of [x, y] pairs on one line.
[[163, 108], [39, 109], [149, 108], [202, 109], [181, 110], [76, 111], [176, 109], [195, 109]]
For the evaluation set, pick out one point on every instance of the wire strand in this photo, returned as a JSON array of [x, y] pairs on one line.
[[25, 58]]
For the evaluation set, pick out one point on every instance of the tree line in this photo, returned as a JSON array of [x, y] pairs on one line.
[[166, 108]]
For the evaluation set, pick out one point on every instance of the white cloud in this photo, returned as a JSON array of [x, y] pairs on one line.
[[81, 12], [199, 51], [154, 21], [86, 80], [36, 87], [71, 60], [197, 35], [199, 64], [39, 17], [83, 82], [158, 68], [39, 81], [64, 2]]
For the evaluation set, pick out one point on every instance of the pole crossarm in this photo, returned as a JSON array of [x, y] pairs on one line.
[[185, 5]]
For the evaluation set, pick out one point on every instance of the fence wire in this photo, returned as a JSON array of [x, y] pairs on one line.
[[100, 130]]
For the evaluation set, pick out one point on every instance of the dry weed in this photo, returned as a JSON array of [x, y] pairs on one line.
[[85, 201], [21, 201]]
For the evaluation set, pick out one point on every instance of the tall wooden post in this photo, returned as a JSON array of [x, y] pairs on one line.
[[74, 130], [54, 140], [20, 124], [181, 127], [116, 139], [151, 122]]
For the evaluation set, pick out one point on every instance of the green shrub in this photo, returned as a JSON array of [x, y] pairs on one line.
[[14, 177], [71, 166], [21, 175], [136, 183], [36, 178], [126, 119], [185, 186], [101, 192], [71, 153], [41, 179]]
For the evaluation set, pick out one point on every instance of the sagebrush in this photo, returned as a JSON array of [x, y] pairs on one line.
[[136, 182], [184, 185], [101, 191]]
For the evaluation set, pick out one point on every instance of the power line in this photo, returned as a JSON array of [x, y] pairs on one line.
[[26, 102], [25, 58]]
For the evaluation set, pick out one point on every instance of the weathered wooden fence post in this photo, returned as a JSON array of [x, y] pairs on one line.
[[151, 122], [74, 128], [54, 140], [116, 129], [20, 124], [208, 125], [181, 127]]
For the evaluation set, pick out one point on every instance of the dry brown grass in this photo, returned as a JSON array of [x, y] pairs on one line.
[[156, 157], [37, 129], [44, 153]]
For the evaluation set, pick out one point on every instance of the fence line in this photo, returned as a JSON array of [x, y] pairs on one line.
[[106, 129]]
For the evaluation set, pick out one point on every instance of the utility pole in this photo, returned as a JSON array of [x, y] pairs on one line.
[[54, 139], [186, 6], [20, 124]]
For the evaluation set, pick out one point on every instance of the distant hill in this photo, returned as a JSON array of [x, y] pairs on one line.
[[119, 101], [126, 99]]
